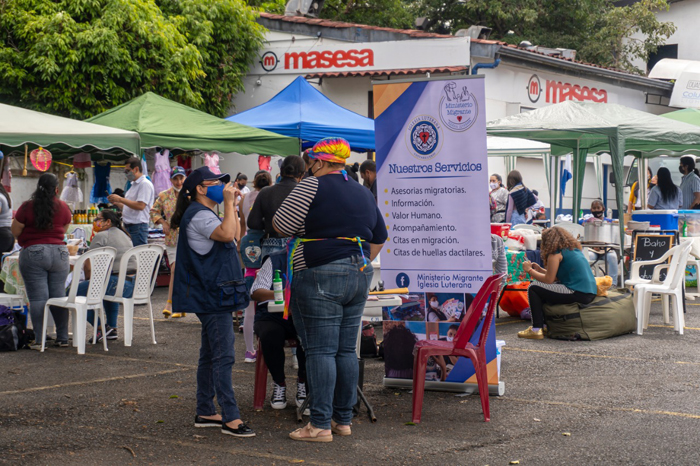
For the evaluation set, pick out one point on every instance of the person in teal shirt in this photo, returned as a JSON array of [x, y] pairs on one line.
[[567, 279]]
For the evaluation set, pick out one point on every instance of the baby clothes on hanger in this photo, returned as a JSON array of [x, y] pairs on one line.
[[186, 163], [161, 177], [7, 177], [264, 162], [71, 192], [212, 161], [101, 189]]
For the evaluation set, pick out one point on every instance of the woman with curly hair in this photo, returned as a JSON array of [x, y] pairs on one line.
[[566, 265]]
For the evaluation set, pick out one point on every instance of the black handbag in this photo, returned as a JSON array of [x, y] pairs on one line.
[[14, 335]]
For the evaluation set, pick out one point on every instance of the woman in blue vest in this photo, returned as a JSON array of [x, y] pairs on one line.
[[337, 230], [567, 278], [208, 282]]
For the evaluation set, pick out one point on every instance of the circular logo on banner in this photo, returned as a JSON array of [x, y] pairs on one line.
[[269, 61], [402, 280], [458, 107], [534, 88], [423, 137]]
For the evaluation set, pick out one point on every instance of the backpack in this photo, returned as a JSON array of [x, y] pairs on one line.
[[14, 335], [251, 249]]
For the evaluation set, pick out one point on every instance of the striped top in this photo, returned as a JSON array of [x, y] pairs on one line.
[[690, 184], [328, 208]]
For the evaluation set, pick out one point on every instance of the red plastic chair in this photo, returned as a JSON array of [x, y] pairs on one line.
[[260, 391], [460, 346]]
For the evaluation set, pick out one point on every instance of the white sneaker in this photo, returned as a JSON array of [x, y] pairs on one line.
[[301, 397], [279, 396]]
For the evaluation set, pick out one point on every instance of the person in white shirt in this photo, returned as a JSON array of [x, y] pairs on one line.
[[241, 182], [136, 203]]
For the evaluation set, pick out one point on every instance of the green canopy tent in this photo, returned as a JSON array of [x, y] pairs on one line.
[[583, 127], [163, 123], [63, 137]]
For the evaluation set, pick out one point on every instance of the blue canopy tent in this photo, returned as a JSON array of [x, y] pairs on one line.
[[301, 111]]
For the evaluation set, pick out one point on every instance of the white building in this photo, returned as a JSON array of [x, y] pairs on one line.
[[517, 79]]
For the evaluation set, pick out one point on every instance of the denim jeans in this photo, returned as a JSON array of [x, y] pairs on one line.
[[111, 309], [327, 305], [44, 268], [611, 259], [138, 233], [216, 360]]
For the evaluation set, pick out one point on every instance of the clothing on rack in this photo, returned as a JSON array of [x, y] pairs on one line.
[[212, 161], [71, 192], [161, 176], [101, 189], [186, 163], [82, 160], [264, 162], [7, 177]]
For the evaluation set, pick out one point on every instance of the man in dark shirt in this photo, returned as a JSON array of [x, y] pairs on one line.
[[368, 172]]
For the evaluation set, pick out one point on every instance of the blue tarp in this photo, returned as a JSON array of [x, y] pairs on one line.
[[301, 111]]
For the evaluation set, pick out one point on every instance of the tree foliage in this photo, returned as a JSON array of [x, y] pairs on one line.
[[81, 57], [600, 32], [396, 14]]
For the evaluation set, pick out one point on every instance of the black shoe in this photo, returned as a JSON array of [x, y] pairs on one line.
[[111, 332], [61, 343], [241, 431], [202, 422]]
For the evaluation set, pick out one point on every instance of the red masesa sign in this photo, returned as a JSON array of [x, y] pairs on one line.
[[559, 92], [329, 59]]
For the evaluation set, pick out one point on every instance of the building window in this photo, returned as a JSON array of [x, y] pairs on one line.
[[664, 51]]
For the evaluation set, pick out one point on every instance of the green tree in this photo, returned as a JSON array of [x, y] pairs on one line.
[[269, 6], [81, 57], [600, 32], [396, 14]]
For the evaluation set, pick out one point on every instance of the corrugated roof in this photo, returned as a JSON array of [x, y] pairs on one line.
[[396, 72], [414, 34]]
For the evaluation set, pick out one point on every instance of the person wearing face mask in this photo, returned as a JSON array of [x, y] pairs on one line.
[[136, 203], [450, 361], [109, 232], [241, 183], [665, 195], [499, 195], [435, 313], [161, 213], [209, 283], [635, 202], [690, 183], [598, 212]]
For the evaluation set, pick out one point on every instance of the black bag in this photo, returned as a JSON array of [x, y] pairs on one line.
[[14, 335]]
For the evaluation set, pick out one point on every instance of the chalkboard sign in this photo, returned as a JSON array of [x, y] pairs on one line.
[[651, 247]]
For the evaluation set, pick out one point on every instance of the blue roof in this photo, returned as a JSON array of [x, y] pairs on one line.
[[301, 111]]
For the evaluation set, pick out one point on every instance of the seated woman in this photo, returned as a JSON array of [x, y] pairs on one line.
[[273, 330], [598, 212], [565, 264], [109, 233], [665, 195]]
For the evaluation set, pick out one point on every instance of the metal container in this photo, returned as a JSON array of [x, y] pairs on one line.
[[597, 231]]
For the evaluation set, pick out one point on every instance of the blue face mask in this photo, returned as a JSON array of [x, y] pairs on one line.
[[216, 193]]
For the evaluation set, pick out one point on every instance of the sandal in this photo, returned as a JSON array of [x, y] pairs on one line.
[[167, 312], [340, 429], [312, 434], [177, 315]]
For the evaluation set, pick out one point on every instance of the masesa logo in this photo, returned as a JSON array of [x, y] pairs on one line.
[[458, 107], [423, 137]]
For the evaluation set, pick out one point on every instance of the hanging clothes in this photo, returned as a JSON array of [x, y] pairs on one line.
[[71, 192], [101, 189], [7, 177], [185, 162], [82, 160], [264, 162], [161, 176], [212, 161]]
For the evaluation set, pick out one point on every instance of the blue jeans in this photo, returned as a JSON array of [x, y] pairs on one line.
[[111, 309], [216, 360], [327, 305], [138, 232], [611, 259], [44, 268]]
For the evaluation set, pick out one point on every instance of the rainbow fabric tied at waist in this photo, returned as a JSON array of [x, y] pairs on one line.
[[292, 247]]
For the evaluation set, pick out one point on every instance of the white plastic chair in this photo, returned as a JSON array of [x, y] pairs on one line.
[[147, 257], [575, 229], [671, 287], [101, 261]]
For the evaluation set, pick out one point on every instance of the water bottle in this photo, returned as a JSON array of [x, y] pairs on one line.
[[277, 288]]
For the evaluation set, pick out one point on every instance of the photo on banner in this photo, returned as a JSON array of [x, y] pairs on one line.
[[412, 307], [432, 174]]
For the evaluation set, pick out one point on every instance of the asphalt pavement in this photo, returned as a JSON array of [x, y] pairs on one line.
[[628, 400]]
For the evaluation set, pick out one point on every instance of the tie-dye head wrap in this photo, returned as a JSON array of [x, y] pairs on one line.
[[333, 150]]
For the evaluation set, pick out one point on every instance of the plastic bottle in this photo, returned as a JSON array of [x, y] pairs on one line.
[[277, 288]]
